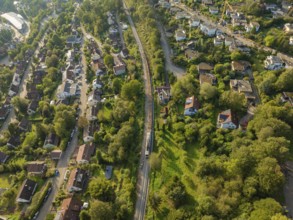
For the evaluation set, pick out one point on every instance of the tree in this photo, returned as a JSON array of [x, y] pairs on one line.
[[285, 81], [20, 104], [109, 61], [131, 90], [52, 61], [176, 192], [265, 209], [155, 161], [116, 85], [207, 91], [155, 201], [102, 189], [101, 210], [233, 100], [82, 122], [84, 215], [270, 176]]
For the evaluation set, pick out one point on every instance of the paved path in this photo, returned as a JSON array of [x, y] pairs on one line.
[[143, 173], [288, 189]]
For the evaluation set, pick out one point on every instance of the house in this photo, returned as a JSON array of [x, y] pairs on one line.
[[97, 84], [180, 35], [92, 113], [85, 152], [164, 94], [218, 41], [207, 78], [71, 40], [113, 30], [32, 107], [4, 111], [243, 123], [208, 30], [288, 28], [191, 54], [7, 102], [52, 140], [119, 69], [66, 90], [16, 79], [164, 4], [240, 66], [88, 132], [252, 25], [77, 180], [27, 191], [96, 57], [36, 168], [207, 2], [14, 141], [94, 98], [108, 172], [24, 124], [70, 209], [270, 7], [181, 15], [56, 154], [237, 45], [244, 87], [238, 19], [291, 41], [273, 63], [228, 41], [124, 53], [191, 106], [213, 10], [226, 120], [3, 157], [194, 22], [13, 90], [287, 97], [204, 68]]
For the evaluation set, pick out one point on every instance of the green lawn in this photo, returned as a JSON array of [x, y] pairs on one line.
[[176, 161], [4, 181]]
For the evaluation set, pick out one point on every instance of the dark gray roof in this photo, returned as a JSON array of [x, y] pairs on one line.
[[27, 190]]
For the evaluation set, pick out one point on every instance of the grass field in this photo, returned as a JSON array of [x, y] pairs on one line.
[[4, 181]]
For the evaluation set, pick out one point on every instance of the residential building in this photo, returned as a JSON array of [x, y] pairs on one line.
[[238, 19], [226, 120], [291, 41], [108, 172], [16, 20], [77, 180], [191, 106], [194, 22], [287, 97], [88, 132], [208, 30], [288, 28], [3, 157], [252, 25], [14, 141], [27, 191], [207, 78], [70, 209], [24, 124], [228, 41], [13, 90], [240, 66], [164, 94], [94, 98], [180, 35], [191, 54], [92, 113], [36, 168], [119, 69], [52, 140], [213, 10], [4, 112], [32, 107], [181, 15], [56, 154], [66, 90], [218, 41], [207, 2], [204, 68], [85, 152], [273, 63], [244, 87]]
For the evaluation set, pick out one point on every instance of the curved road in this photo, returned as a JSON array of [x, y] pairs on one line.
[[143, 174]]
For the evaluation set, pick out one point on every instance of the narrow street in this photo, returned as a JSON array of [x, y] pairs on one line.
[[143, 174], [64, 160]]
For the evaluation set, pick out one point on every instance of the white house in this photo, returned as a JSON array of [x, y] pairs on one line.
[[66, 90], [288, 28], [249, 27], [77, 180], [97, 84], [194, 22], [213, 10], [273, 63], [226, 120], [291, 40], [180, 35], [208, 30]]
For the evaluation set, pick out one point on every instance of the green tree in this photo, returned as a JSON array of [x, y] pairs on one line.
[[208, 91], [116, 85], [109, 61], [101, 210], [155, 161], [285, 81], [131, 90], [102, 190], [233, 100], [176, 192], [20, 104], [265, 209]]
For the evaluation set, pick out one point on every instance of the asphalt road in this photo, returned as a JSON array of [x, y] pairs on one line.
[[241, 38], [143, 173]]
